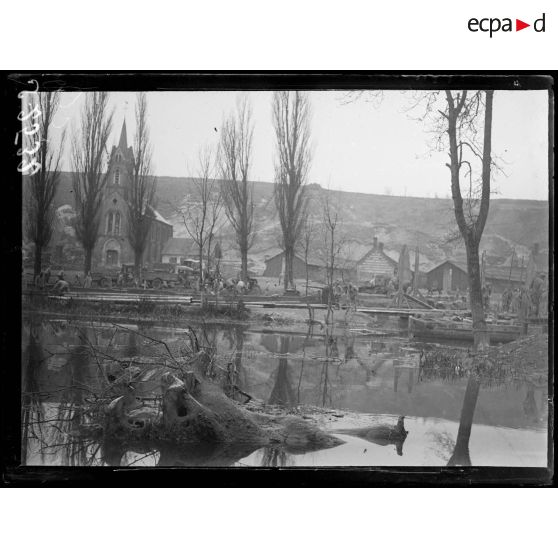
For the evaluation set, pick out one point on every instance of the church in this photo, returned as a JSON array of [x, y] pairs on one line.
[[113, 248]]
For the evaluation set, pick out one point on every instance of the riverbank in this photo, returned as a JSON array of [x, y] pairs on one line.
[[234, 312]]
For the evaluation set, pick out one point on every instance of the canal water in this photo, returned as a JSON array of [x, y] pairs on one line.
[[356, 378]]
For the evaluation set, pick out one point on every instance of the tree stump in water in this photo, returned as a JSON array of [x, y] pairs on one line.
[[382, 434], [196, 411]]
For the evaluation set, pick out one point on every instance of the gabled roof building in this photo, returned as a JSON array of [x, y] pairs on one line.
[[375, 263], [113, 247]]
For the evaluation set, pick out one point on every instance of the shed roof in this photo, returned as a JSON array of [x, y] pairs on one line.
[[312, 260], [459, 265], [504, 273], [377, 249], [159, 217]]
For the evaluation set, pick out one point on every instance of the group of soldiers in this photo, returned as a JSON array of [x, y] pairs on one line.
[[534, 298], [215, 283], [62, 284], [347, 290]]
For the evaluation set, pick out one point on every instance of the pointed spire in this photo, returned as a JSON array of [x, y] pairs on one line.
[[123, 143]]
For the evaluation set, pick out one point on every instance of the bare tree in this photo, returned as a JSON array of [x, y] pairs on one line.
[[306, 239], [332, 247], [461, 123], [236, 153], [142, 186], [291, 121], [89, 165], [463, 112], [42, 185], [202, 209]]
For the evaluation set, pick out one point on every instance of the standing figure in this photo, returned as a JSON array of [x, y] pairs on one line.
[[40, 280], [61, 286], [240, 286]]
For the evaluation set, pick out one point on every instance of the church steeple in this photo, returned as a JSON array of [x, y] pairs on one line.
[[123, 143]]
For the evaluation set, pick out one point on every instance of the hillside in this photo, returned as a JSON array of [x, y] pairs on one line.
[[512, 224]]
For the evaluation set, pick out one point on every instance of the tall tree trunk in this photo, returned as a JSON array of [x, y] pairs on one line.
[[289, 254], [481, 338], [88, 257], [471, 231], [244, 263], [38, 262], [202, 289], [461, 451], [137, 263], [307, 276]]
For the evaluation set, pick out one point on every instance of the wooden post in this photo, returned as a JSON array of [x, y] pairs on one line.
[[511, 266], [416, 276], [402, 273], [524, 313]]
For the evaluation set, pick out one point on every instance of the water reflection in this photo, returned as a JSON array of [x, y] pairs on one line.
[[32, 410], [451, 419], [383, 434], [283, 393], [460, 454]]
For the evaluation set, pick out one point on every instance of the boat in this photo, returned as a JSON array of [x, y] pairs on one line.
[[432, 328]]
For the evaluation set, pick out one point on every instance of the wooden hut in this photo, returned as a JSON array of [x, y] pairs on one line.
[[375, 263], [275, 267], [448, 276]]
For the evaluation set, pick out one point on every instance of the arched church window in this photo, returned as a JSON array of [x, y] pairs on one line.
[[109, 222], [117, 177], [117, 223]]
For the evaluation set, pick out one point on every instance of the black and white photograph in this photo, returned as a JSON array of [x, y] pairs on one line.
[[281, 277]]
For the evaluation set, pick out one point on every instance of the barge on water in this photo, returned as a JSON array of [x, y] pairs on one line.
[[432, 328]]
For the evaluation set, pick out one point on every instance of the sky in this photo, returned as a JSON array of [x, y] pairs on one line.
[[359, 146]]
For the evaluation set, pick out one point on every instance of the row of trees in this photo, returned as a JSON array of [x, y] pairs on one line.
[[462, 126], [89, 161], [232, 190]]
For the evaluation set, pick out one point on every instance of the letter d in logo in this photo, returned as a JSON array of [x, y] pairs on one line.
[[539, 24]]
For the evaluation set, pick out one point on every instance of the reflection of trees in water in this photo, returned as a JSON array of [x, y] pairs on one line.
[[331, 353], [325, 384], [275, 457], [349, 345], [242, 376], [460, 456], [282, 392], [70, 411], [410, 383], [396, 374], [397, 370], [57, 428], [309, 335], [444, 445], [131, 349], [32, 411], [234, 377], [530, 407]]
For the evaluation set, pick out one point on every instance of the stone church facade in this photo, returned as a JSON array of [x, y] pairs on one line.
[[113, 248]]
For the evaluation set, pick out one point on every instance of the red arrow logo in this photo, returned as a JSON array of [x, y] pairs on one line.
[[519, 25]]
